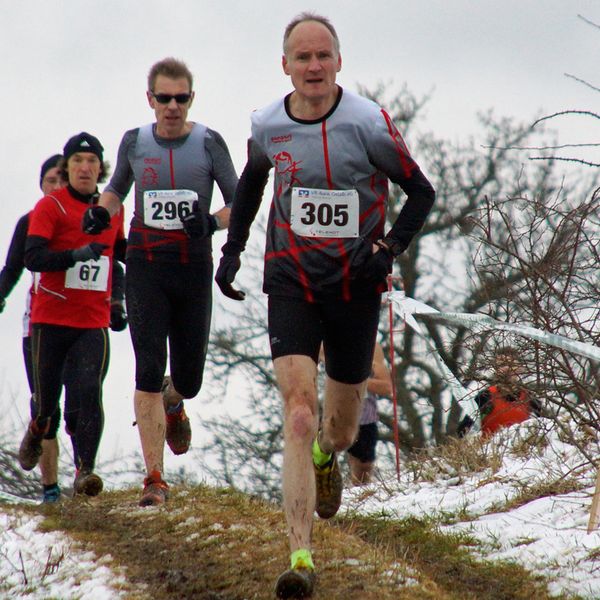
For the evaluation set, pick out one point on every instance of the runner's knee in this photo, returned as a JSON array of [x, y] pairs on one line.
[[340, 438], [301, 422]]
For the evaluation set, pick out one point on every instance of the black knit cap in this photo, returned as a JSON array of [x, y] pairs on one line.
[[49, 163], [83, 142]]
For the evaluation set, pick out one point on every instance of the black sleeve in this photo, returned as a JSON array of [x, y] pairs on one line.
[[536, 407], [391, 156], [118, 282], [248, 195], [39, 258], [120, 250], [464, 426], [420, 198], [483, 398], [15, 259]]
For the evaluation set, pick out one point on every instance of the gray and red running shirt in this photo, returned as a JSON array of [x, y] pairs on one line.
[[170, 175], [330, 195]]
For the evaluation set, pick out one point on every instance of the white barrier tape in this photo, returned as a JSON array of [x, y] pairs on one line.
[[551, 339], [405, 308]]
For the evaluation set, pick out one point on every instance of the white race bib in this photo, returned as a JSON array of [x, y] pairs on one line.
[[89, 275], [325, 213], [164, 209]]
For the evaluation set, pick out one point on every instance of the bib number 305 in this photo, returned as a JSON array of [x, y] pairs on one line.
[[90, 275], [325, 213]]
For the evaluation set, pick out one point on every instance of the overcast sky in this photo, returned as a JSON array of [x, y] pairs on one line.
[[76, 65]]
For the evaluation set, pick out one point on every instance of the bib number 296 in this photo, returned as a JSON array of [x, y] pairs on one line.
[[164, 209]]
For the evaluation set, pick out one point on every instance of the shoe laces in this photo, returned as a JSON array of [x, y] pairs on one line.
[[51, 495], [155, 478], [327, 467], [176, 410]]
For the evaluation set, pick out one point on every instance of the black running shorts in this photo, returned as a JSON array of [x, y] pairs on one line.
[[346, 329], [364, 447]]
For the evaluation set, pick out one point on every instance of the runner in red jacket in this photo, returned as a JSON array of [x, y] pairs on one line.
[[71, 308]]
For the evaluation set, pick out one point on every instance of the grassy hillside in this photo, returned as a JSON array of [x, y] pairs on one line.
[[218, 544]]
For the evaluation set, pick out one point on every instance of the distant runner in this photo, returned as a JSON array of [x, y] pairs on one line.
[[362, 453]]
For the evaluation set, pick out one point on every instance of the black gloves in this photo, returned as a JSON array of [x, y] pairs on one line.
[[92, 251], [464, 426], [377, 266], [118, 316], [2, 304], [95, 220], [198, 224], [228, 267]]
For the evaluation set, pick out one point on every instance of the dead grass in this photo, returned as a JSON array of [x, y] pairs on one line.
[[454, 458], [218, 544], [445, 558], [210, 544]]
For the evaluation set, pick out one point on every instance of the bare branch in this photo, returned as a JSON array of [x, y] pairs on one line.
[[586, 113], [593, 87]]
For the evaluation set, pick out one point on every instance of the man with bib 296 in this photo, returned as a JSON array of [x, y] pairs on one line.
[[174, 164], [326, 261]]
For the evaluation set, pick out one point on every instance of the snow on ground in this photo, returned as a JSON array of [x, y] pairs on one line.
[[35, 565], [546, 535]]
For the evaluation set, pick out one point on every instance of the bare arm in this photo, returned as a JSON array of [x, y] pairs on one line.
[[111, 202], [380, 382], [222, 216]]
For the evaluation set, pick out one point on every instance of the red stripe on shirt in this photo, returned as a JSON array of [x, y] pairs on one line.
[[172, 168], [326, 154], [403, 154]]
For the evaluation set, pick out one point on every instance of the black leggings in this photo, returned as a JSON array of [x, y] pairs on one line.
[[69, 374], [169, 301], [87, 351]]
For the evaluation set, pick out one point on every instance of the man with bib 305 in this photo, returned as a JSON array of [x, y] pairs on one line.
[[326, 261], [174, 164]]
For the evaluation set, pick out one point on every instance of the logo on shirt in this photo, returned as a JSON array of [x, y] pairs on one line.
[[149, 177], [152, 160], [287, 168], [280, 139]]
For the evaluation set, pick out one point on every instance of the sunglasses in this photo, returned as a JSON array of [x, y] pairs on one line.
[[166, 98]]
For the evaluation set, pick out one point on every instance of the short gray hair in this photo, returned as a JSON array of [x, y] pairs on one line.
[[310, 16]]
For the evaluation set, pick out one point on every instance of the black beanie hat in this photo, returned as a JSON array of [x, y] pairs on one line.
[[49, 163], [83, 142]]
